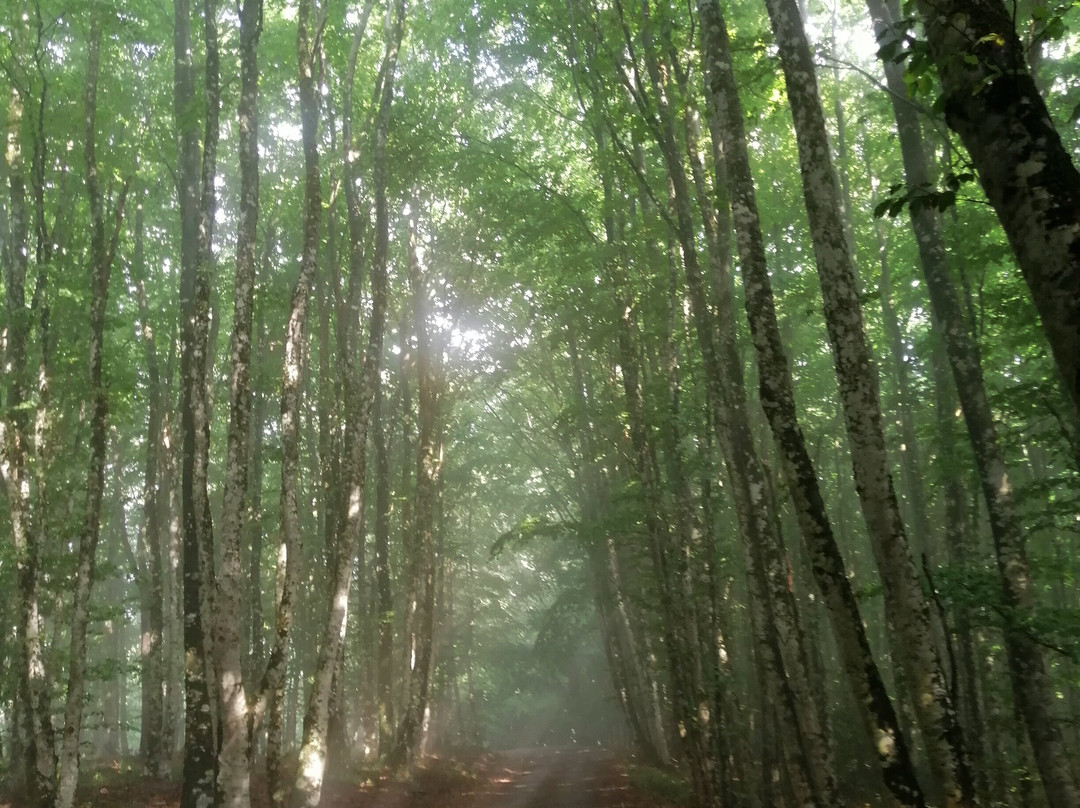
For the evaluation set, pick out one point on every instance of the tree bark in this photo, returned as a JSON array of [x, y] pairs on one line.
[[1031, 683], [147, 559], [360, 391], [630, 678], [102, 251], [777, 396], [199, 741], [993, 103], [307, 44], [385, 608], [15, 469], [234, 755], [906, 606], [808, 751], [410, 731]]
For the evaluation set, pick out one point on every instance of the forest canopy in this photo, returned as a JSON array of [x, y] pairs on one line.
[[398, 378]]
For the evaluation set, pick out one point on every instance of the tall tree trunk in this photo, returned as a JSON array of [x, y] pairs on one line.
[[196, 223], [360, 390], [691, 711], [1027, 669], [629, 676], [906, 606], [807, 749], [911, 469], [112, 731], [255, 639], [777, 397], [309, 34], [15, 468], [410, 731], [993, 103], [406, 460], [385, 599], [102, 251], [255, 619], [172, 544], [690, 706], [234, 755], [958, 551], [149, 557]]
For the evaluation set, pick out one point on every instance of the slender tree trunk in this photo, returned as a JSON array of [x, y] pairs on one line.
[[208, 324], [172, 539], [629, 677], [906, 606], [257, 634], [385, 606], [102, 250], [410, 731], [911, 469], [234, 756], [684, 658], [199, 740], [308, 36], [15, 469], [959, 552], [777, 396], [808, 751], [149, 565], [639, 681], [360, 390], [404, 409], [691, 712], [109, 744], [1027, 669]]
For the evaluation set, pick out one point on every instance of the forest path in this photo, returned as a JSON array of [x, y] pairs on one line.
[[568, 777], [565, 777]]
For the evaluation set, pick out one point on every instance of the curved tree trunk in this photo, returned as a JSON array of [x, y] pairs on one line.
[[359, 398], [307, 46]]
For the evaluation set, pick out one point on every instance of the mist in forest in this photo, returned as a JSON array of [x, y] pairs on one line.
[[573, 403]]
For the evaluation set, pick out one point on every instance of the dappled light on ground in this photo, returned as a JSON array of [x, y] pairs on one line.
[[571, 777]]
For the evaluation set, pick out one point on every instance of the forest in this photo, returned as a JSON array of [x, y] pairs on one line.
[[683, 392]]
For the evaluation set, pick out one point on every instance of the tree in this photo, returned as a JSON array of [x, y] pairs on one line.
[[234, 756], [102, 253], [360, 391], [991, 100], [906, 605], [586, 466], [1030, 680], [779, 402], [196, 198]]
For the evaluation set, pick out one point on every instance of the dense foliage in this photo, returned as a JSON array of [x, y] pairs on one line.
[[536, 485]]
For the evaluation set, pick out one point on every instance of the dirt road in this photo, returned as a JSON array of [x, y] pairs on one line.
[[554, 778], [568, 777]]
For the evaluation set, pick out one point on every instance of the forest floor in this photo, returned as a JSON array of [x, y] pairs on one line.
[[569, 777]]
